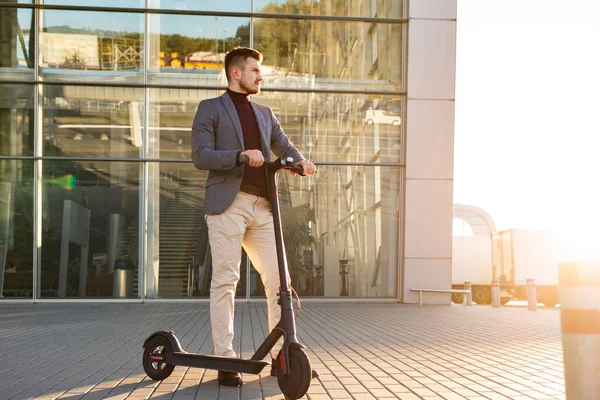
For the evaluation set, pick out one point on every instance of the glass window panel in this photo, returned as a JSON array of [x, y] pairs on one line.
[[336, 127], [90, 219], [190, 50], [324, 127], [171, 114], [16, 58], [340, 8], [16, 120], [340, 228], [92, 121], [205, 5], [98, 3], [16, 229], [87, 45], [17, 1], [329, 54], [180, 263]]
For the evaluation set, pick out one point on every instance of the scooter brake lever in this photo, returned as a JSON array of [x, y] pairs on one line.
[[289, 162]]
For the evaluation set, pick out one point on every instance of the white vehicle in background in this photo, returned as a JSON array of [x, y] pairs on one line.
[[512, 256], [521, 254], [381, 117]]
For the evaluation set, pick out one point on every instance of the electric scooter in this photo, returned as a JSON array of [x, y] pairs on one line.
[[162, 350]]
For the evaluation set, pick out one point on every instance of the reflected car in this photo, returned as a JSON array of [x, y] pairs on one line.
[[381, 117]]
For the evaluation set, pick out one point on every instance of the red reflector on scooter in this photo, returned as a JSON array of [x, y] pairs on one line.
[[157, 357], [282, 361]]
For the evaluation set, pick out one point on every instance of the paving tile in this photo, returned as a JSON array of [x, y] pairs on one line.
[[362, 351]]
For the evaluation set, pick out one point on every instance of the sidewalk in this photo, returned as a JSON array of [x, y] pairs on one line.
[[362, 351]]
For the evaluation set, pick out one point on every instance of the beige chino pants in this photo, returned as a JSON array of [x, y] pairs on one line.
[[248, 222]]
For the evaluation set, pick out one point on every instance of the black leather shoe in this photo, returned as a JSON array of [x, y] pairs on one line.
[[314, 373], [227, 378]]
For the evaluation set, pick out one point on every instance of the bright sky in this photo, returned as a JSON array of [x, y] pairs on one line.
[[527, 133]]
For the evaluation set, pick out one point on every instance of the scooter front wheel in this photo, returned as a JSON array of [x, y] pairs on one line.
[[154, 356], [297, 383]]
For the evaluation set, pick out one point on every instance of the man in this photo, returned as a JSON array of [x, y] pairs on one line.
[[237, 208]]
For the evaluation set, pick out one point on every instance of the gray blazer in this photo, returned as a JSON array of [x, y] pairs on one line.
[[216, 139]]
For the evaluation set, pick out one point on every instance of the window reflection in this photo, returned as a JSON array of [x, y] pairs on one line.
[[329, 54], [177, 238], [369, 8], [82, 45], [90, 217], [190, 50], [95, 122], [16, 120], [324, 127], [340, 127], [98, 3], [178, 243], [16, 52], [16, 229], [171, 115], [341, 231], [211, 5]]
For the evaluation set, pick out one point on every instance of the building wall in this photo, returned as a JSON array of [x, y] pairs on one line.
[[429, 149]]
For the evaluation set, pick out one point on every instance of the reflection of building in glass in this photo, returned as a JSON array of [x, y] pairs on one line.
[[120, 53], [205, 60], [71, 51], [90, 52], [106, 120]]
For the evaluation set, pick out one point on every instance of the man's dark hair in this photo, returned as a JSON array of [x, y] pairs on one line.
[[238, 56]]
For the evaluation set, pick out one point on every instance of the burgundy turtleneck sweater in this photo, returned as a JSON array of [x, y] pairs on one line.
[[254, 180]]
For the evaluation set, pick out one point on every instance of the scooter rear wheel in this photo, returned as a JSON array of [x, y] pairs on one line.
[[157, 370], [297, 383]]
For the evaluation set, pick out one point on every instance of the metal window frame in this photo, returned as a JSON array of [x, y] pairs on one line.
[[99, 83], [182, 161], [147, 10]]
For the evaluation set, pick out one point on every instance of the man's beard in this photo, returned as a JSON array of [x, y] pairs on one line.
[[249, 90]]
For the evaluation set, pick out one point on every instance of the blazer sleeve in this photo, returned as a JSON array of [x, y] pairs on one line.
[[204, 154], [280, 143]]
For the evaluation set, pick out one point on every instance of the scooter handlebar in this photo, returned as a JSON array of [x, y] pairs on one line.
[[278, 164]]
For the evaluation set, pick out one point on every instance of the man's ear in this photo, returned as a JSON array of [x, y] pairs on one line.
[[235, 72]]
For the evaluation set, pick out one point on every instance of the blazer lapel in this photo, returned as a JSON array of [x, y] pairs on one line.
[[228, 103], [262, 127]]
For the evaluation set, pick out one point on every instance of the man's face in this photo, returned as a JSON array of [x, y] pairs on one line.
[[251, 78]]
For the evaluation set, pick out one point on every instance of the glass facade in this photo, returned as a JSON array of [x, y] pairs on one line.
[[91, 46], [98, 195]]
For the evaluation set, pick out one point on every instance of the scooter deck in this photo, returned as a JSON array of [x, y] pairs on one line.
[[219, 363]]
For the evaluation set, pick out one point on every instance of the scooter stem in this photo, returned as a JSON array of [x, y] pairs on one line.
[[272, 184]]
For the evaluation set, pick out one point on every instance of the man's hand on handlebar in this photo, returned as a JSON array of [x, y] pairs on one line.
[[308, 167], [255, 158]]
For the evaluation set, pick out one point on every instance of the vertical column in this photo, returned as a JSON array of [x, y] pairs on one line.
[[429, 149], [38, 215], [150, 200]]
